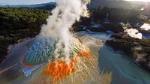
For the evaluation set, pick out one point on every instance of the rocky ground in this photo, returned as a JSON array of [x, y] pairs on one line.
[[138, 50]]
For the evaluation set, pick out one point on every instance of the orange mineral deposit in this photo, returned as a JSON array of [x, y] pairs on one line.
[[59, 69], [84, 53]]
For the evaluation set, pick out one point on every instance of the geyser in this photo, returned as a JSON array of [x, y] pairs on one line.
[[55, 37], [55, 44]]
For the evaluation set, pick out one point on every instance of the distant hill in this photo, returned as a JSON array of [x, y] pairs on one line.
[[46, 6], [121, 4], [118, 4]]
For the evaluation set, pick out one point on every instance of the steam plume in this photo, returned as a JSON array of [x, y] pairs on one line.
[[55, 34]]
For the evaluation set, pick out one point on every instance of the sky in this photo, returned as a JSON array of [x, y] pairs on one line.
[[23, 2], [29, 2], [139, 0]]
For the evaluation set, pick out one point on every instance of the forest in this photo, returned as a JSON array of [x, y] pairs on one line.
[[19, 23]]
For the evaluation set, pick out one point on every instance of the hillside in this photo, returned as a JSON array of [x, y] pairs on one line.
[[118, 4], [17, 24], [46, 6]]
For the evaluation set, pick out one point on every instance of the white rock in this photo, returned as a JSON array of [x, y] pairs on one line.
[[134, 33], [145, 26]]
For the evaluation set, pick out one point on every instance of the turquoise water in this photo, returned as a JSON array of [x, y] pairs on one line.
[[123, 69]]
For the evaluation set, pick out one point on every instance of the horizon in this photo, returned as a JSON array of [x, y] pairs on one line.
[[138, 0], [32, 2], [24, 2]]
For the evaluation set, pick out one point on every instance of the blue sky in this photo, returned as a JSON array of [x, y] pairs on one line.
[[23, 2]]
